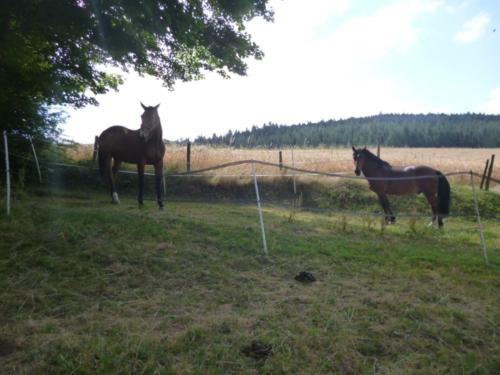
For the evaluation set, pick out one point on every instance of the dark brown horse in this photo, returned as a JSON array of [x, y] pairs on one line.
[[141, 147], [403, 181]]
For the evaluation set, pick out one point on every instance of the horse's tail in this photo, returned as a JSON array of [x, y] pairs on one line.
[[101, 157], [444, 194]]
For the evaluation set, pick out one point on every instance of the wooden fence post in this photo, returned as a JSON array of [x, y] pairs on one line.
[[281, 160], [164, 184], [490, 171], [380, 140], [188, 157], [96, 147], [7, 171], [294, 182], [484, 173]]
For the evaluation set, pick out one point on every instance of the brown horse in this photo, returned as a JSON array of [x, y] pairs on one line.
[[141, 147], [400, 182]]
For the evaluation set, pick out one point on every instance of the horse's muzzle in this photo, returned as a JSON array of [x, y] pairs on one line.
[[357, 172], [143, 136]]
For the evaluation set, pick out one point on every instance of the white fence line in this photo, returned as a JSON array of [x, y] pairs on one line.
[[301, 171], [304, 172], [259, 208], [480, 226], [36, 159], [7, 172]]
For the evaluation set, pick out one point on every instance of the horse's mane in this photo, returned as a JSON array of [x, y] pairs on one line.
[[375, 158]]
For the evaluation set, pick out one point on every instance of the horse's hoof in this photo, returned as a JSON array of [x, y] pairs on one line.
[[160, 208]]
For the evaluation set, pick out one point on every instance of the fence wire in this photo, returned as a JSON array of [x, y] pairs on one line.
[[299, 172], [294, 205]]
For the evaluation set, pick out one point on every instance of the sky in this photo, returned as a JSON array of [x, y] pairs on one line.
[[329, 59]]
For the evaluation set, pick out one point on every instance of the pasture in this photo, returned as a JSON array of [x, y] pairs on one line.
[[88, 287], [91, 287]]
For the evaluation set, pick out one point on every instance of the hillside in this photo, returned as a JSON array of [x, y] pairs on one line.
[[397, 130]]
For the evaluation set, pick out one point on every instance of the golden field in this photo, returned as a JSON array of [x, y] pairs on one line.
[[324, 159]]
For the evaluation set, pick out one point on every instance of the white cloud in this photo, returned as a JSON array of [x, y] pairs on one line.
[[492, 105], [473, 29], [453, 7], [388, 30]]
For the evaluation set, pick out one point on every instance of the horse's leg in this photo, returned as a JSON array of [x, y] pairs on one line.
[[389, 216], [392, 218], [433, 202], [440, 220], [111, 172], [438, 213], [140, 173], [116, 167], [158, 180]]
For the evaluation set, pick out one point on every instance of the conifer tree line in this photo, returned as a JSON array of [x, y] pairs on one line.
[[398, 130]]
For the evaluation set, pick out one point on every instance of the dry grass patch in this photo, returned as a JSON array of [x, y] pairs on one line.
[[325, 160]]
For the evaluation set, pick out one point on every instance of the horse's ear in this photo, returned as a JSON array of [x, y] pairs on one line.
[[353, 148], [143, 106], [156, 106]]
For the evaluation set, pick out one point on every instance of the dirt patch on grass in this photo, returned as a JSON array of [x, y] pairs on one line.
[[7, 346]]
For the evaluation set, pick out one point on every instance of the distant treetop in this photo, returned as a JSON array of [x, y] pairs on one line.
[[399, 130]]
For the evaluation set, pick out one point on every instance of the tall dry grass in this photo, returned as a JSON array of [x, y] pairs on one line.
[[325, 159]]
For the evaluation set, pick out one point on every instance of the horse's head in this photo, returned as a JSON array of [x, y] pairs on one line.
[[150, 122], [359, 159]]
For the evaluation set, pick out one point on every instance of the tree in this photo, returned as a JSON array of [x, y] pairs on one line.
[[54, 52], [431, 130]]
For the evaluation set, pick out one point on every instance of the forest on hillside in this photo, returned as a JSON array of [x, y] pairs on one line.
[[398, 130]]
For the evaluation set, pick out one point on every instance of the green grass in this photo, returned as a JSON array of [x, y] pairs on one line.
[[91, 288]]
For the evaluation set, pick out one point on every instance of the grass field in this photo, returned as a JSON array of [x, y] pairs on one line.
[[91, 288]]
